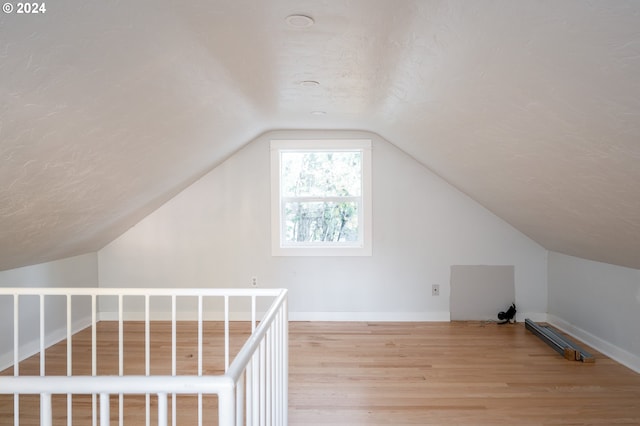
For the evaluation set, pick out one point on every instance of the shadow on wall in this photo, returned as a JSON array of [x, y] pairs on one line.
[[479, 292]]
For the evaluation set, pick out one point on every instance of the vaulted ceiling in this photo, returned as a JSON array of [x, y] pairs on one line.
[[109, 108]]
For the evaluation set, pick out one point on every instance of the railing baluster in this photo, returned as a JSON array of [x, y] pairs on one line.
[[199, 335], [173, 356], [284, 309], [94, 357], [16, 356], [267, 372], [120, 356], [69, 359], [263, 395], [274, 372], [255, 360], [147, 359], [249, 391], [279, 379], [42, 334], [226, 333], [253, 313], [284, 380], [199, 356]]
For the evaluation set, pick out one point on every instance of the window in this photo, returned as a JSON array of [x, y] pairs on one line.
[[321, 197]]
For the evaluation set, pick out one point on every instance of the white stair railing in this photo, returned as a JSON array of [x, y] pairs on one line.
[[252, 391]]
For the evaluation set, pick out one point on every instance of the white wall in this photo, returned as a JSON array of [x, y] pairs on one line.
[[478, 293], [217, 233], [79, 271], [597, 303]]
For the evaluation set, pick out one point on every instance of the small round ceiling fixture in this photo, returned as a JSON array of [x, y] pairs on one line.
[[299, 21], [309, 83], [318, 112]]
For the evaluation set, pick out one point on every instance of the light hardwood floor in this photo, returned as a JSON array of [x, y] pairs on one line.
[[467, 373], [460, 373]]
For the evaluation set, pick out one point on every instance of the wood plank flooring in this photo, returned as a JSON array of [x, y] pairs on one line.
[[460, 373]]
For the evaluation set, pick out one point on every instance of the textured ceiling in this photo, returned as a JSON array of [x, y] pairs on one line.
[[108, 109]]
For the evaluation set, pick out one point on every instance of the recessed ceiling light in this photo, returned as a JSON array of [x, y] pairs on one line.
[[299, 21], [309, 83], [318, 112]]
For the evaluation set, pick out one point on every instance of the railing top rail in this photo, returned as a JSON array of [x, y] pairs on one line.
[[139, 291], [114, 384]]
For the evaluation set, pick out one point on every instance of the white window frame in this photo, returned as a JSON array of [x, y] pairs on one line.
[[363, 247]]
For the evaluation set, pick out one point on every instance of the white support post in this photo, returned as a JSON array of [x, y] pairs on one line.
[[104, 409], [46, 415], [162, 409], [262, 384], [226, 405], [240, 396]]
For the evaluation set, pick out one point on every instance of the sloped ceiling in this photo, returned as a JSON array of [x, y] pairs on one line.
[[109, 108]]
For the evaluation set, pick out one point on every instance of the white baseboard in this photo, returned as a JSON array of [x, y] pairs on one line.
[[533, 316], [370, 316], [614, 352], [32, 347], [438, 316], [180, 316]]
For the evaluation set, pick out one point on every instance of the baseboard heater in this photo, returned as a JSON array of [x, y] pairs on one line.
[[559, 343]]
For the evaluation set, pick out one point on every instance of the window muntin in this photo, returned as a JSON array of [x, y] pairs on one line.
[[321, 197]]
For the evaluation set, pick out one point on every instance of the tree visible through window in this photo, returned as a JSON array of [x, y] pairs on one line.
[[320, 195], [321, 187]]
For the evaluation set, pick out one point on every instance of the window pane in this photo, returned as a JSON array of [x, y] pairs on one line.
[[321, 174], [320, 221]]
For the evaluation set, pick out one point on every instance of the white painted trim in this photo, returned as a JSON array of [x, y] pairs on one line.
[[533, 316], [362, 248], [614, 352], [338, 144], [32, 347], [371, 316]]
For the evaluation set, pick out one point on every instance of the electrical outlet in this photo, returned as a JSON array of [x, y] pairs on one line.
[[254, 281], [435, 290]]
